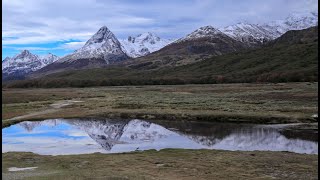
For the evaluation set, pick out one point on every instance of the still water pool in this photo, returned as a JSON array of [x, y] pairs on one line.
[[82, 136]]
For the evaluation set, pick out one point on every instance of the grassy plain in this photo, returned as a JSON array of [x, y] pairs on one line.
[[164, 164], [249, 103]]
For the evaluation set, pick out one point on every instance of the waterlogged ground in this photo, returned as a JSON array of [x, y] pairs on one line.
[[83, 136]]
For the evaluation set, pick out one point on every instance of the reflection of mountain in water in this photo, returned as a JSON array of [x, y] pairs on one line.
[[267, 138], [105, 132], [109, 133], [137, 130], [30, 125], [206, 134], [242, 137]]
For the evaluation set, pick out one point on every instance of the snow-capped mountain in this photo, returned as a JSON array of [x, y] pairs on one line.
[[202, 32], [49, 58], [102, 45], [295, 21], [204, 40], [255, 34], [143, 44], [26, 62], [248, 33], [102, 49]]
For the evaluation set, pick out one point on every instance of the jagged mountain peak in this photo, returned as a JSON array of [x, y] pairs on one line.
[[103, 35], [202, 32], [240, 25], [103, 29], [143, 44], [144, 37], [6, 59], [102, 49], [49, 55], [151, 37], [25, 62], [24, 54], [146, 34], [250, 34], [49, 58], [102, 45], [207, 30]]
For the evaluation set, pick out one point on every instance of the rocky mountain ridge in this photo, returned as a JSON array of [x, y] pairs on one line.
[[143, 44], [24, 63]]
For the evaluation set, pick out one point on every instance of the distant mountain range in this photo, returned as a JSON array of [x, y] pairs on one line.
[[293, 57], [208, 41], [255, 34], [201, 43], [148, 51], [25, 62]]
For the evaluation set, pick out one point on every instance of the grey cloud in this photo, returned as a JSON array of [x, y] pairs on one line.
[[40, 21]]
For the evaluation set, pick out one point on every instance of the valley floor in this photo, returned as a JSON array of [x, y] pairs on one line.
[[164, 164], [249, 103]]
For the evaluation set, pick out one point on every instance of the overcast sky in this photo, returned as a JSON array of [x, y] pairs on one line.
[[61, 26]]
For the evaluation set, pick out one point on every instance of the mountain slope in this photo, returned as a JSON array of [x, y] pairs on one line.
[[203, 42], [290, 58], [23, 63], [102, 49], [143, 44]]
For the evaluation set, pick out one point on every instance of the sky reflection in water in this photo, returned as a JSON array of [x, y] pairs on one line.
[[59, 136]]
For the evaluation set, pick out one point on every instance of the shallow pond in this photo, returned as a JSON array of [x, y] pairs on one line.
[[82, 136]]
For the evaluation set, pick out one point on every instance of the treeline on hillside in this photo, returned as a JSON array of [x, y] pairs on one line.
[[263, 78]]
